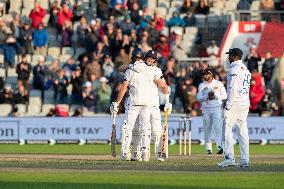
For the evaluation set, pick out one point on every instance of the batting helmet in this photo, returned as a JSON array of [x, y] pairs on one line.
[[151, 54], [137, 54]]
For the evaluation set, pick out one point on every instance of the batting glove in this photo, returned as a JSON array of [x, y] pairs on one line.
[[168, 106], [114, 107]]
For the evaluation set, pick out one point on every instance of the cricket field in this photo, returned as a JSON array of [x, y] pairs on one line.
[[73, 166]]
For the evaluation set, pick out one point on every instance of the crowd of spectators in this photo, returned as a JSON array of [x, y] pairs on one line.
[[108, 38]]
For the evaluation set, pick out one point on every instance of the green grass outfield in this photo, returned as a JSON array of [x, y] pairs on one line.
[[101, 149], [78, 167], [138, 179]]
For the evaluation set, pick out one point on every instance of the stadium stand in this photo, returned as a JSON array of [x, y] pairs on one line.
[[88, 22]]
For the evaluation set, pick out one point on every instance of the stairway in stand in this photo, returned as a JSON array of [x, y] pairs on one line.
[[272, 39]]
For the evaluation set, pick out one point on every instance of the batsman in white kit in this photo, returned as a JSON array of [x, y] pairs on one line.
[[211, 93], [236, 109], [137, 79], [151, 58]]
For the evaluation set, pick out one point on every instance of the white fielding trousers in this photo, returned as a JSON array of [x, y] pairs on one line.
[[142, 114], [156, 129], [237, 115], [213, 120]]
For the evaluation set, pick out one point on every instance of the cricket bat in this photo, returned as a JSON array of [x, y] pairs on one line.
[[113, 136], [165, 152]]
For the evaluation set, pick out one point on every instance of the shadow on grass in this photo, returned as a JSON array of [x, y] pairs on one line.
[[46, 185]]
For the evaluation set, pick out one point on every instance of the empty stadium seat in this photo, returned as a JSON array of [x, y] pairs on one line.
[[25, 12], [191, 30], [48, 97], [1, 59], [177, 29], [215, 11], [29, 3], [189, 37], [93, 3], [7, 17], [73, 107], [2, 72], [152, 4], [15, 4], [44, 4], [33, 110], [35, 59], [255, 5], [162, 11], [12, 80], [12, 72], [200, 19], [67, 51], [49, 59], [74, 39], [5, 109], [172, 10], [54, 51], [177, 3], [79, 51], [35, 98], [46, 108], [56, 44], [22, 109], [88, 113], [230, 5], [164, 4], [212, 19], [64, 58]]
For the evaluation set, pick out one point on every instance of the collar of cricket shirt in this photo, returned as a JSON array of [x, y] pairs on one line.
[[236, 62]]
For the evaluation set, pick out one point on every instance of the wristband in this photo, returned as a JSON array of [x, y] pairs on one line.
[[167, 96]]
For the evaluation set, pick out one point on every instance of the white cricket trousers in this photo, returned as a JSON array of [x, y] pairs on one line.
[[213, 119], [141, 113], [156, 131], [237, 115]]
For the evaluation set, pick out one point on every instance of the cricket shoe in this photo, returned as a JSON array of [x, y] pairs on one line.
[[244, 164], [125, 157], [209, 152], [158, 158], [227, 163], [136, 157], [220, 151], [145, 157]]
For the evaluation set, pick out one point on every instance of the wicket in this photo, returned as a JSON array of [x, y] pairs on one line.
[[184, 129]]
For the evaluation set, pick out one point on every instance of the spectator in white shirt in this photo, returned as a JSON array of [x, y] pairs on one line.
[[212, 52]]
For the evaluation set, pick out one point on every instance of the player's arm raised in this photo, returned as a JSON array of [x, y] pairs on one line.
[[114, 105], [122, 91]]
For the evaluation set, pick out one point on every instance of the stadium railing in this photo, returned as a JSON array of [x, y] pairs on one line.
[[252, 15], [188, 61]]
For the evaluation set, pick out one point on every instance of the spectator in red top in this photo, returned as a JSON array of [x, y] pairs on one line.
[[256, 91], [163, 46], [37, 15], [158, 20], [65, 14]]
